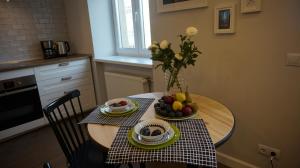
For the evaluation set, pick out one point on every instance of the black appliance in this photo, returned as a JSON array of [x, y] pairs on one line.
[[49, 49], [55, 49], [19, 102]]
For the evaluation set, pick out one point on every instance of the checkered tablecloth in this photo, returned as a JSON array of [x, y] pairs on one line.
[[194, 147], [96, 117]]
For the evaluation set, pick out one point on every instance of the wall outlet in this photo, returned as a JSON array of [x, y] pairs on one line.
[[293, 59], [266, 150]]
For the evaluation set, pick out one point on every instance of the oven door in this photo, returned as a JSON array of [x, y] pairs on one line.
[[19, 106]]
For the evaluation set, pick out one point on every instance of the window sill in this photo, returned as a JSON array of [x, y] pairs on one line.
[[126, 60]]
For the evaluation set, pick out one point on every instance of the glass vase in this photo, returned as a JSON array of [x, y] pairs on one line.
[[173, 83]]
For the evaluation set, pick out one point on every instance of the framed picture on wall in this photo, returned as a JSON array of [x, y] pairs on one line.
[[224, 21], [248, 6], [175, 5]]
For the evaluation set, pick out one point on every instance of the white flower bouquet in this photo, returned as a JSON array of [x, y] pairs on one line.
[[172, 62]]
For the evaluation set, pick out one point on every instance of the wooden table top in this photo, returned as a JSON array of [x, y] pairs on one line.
[[218, 118]]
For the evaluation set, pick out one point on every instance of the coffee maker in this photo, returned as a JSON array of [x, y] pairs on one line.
[[49, 49]]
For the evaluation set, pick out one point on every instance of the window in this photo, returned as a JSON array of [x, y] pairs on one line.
[[132, 27]]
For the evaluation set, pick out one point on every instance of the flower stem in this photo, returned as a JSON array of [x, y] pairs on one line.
[[173, 79]]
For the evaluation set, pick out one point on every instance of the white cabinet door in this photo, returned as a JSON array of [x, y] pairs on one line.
[[63, 65], [74, 84], [47, 74], [87, 100], [57, 79]]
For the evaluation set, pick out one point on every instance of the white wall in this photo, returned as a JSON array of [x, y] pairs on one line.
[[91, 32], [90, 23], [78, 26], [246, 71], [101, 19], [100, 13]]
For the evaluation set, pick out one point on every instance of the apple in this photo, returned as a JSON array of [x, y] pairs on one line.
[[123, 103], [194, 106], [168, 99], [188, 105], [187, 110]]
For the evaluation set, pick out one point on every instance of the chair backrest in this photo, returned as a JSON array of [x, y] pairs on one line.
[[63, 117], [47, 165]]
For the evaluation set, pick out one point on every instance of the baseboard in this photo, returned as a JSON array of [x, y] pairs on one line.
[[233, 162]]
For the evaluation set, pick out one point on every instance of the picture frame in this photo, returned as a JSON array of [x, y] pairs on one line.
[[250, 6], [177, 5], [224, 18]]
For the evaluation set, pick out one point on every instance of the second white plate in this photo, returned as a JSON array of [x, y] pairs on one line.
[[108, 110], [164, 139]]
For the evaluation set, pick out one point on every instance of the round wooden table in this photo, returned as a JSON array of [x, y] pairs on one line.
[[218, 118]]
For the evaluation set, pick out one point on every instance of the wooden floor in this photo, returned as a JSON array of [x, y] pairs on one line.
[[33, 149]]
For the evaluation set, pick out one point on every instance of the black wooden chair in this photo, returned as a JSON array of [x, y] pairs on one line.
[[47, 165], [80, 151]]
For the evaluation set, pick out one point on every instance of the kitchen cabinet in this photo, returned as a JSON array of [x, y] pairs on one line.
[[57, 79], [54, 78]]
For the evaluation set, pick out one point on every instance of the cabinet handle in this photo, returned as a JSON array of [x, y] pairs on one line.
[[66, 78], [63, 64]]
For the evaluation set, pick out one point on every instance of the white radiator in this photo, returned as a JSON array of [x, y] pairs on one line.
[[122, 85]]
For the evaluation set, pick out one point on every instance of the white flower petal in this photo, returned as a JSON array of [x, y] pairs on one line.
[[178, 56], [164, 44], [191, 31], [152, 46]]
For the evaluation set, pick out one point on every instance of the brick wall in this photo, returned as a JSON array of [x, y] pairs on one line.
[[24, 23]]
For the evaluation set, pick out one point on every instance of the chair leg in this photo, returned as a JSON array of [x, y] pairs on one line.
[[114, 166], [130, 165], [119, 165], [191, 166], [142, 165], [47, 165]]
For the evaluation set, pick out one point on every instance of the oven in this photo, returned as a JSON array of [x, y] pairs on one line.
[[19, 102]]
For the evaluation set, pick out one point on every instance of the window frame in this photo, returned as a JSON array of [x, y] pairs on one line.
[[140, 48]]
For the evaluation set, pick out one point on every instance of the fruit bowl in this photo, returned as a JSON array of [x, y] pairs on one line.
[[152, 130], [118, 104], [176, 107]]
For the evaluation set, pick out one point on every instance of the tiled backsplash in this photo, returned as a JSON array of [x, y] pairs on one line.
[[24, 23]]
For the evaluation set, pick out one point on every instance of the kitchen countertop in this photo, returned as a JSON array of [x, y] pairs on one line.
[[14, 65]]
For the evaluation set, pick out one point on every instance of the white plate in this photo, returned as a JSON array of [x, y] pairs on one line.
[[152, 124], [177, 118], [108, 110], [170, 134], [117, 100]]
